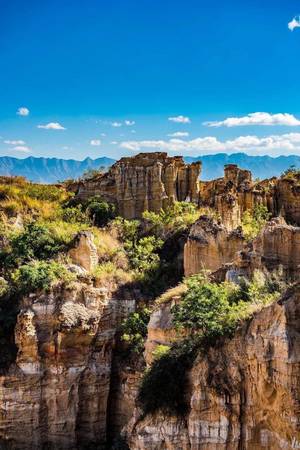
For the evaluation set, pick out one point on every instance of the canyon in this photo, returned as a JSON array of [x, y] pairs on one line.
[[73, 386]]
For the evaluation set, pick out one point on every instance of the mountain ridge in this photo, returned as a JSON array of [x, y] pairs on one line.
[[51, 170]]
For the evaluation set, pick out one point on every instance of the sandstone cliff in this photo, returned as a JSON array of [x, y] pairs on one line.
[[148, 181], [210, 245], [242, 395], [56, 393]]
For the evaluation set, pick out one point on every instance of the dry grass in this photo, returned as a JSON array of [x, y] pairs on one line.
[[177, 291], [110, 249], [108, 274]]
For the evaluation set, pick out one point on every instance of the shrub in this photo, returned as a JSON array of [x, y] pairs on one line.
[[253, 221], [205, 308], [142, 254], [35, 242], [291, 173], [127, 230], [4, 287], [39, 275], [100, 212], [134, 329], [173, 219], [160, 351], [74, 215]]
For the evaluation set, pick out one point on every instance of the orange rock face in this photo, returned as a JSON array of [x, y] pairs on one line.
[[210, 245], [244, 394], [148, 181], [56, 393]]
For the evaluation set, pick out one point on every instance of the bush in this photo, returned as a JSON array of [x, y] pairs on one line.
[[74, 215], [173, 219], [253, 221], [134, 329], [142, 254], [35, 242], [100, 212], [160, 351], [205, 308], [127, 230], [39, 275]]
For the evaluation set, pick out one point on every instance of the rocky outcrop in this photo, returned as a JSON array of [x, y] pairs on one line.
[[210, 245], [242, 395], [56, 393], [234, 194], [84, 251], [148, 181]]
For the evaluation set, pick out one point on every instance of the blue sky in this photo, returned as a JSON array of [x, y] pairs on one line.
[[101, 77]]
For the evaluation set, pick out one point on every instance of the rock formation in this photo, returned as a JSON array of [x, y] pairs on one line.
[[210, 245], [148, 181], [242, 395], [235, 193], [56, 394], [84, 251]]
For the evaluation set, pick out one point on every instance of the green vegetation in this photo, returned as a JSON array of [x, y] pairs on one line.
[[134, 329], [208, 311], [35, 242], [291, 173], [39, 275], [253, 221], [100, 212], [177, 217]]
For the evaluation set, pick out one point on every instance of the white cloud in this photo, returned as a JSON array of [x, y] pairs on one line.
[[116, 124], [180, 119], [270, 145], [23, 111], [179, 134], [18, 142], [114, 142], [103, 134], [95, 142], [22, 148], [295, 23], [257, 118], [52, 126], [129, 123]]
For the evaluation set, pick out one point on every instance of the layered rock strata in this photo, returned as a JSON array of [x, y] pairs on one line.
[[242, 395], [210, 245], [148, 181], [55, 395]]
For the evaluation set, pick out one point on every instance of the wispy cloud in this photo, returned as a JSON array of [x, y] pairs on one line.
[[179, 134], [129, 123], [116, 124], [14, 142], [180, 119], [52, 126], [270, 145], [95, 142], [114, 143], [22, 111], [257, 118], [22, 148], [295, 23]]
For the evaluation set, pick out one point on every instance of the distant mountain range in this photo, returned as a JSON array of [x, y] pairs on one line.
[[260, 166], [50, 170]]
